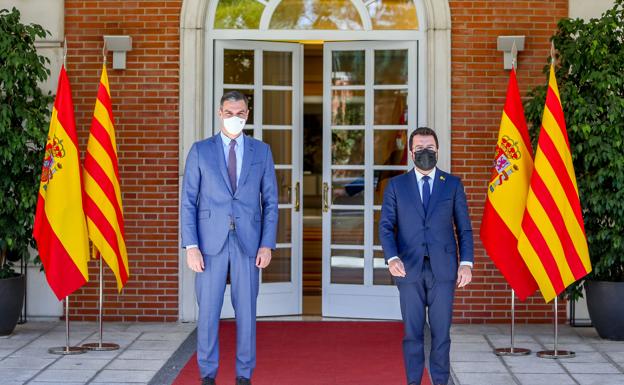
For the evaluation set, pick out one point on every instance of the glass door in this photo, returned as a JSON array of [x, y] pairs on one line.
[[270, 75], [369, 107]]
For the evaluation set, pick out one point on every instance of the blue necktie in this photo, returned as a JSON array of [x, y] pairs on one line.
[[426, 192], [231, 167]]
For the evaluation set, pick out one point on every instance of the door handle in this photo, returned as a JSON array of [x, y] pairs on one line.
[[325, 197], [297, 202]]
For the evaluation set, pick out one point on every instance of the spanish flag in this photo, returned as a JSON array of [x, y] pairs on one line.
[[553, 242], [506, 194], [102, 187], [60, 228]]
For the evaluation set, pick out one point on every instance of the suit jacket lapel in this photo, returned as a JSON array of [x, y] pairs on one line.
[[412, 184], [218, 151], [247, 161], [438, 185]]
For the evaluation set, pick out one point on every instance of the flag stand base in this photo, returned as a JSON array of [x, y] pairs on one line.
[[512, 351], [101, 347], [66, 350], [554, 354]]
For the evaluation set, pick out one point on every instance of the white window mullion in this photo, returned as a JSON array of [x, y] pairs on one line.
[[238, 86], [258, 93], [327, 167], [369, 157], [277, 88]]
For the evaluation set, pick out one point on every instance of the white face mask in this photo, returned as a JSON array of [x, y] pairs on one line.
[[234, 125]]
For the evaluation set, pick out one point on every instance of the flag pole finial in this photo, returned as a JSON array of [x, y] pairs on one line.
[[65, 52], [514, 56], [104, 51], [552, 52]]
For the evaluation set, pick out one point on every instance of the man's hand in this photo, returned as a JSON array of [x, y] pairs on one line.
[[264, 257], [195, 260], [396, 268], [464, 275]]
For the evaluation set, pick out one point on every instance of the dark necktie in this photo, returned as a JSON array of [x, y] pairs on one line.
[[426, 192], [232, 165]]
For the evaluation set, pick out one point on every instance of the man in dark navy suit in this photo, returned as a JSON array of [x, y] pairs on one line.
[[424, 220]]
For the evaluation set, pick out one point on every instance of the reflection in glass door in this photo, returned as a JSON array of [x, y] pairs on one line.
[[270, 75], [370, 105]]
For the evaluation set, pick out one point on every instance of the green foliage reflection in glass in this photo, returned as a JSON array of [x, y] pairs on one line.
[[238, 14], [393, 14], [239, 68], [317, 14], [348, 147], [348, 68], [313, 14]]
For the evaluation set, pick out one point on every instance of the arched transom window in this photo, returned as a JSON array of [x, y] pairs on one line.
[[343, 15]]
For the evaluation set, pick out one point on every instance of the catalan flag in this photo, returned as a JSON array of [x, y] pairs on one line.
[[60, 228], [506, 194], [553, 242], [102, 188]]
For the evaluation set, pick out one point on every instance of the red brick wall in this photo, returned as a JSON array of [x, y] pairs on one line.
[[145, 105], [479, 84], [145, 99]]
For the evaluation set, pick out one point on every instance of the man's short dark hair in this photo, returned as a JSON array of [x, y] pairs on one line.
[[233, 96], [423, 131]]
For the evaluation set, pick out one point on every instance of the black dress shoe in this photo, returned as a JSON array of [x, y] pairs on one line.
[[243, 381], [208, 381]]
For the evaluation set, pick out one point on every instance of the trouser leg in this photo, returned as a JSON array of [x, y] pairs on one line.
[[244, 277], [412, 301], [209, 289], [440, 303]]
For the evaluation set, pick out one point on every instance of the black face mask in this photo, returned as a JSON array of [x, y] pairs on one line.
[[425, 159]]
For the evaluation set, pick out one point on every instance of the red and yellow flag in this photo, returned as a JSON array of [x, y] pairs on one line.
[[506, 195], [102, 188], [553, 242], [60, 228]]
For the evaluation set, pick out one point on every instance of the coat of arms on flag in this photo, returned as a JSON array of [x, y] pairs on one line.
[[506, 155]]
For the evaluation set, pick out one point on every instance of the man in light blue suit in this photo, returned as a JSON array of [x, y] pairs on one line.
[[424, 219], [228, 223]]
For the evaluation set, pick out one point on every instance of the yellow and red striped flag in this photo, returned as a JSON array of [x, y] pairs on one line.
[[60, 228], [506, 195], [102, 187], [553, 242]]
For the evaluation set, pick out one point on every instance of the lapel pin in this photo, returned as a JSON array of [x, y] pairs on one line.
[[442, 177]]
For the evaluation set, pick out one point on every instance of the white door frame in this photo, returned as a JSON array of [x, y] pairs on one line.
[[273, 298], [365, 300], [196, 105]]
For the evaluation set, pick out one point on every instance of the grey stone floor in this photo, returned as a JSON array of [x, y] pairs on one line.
[[597, 361], [146, 347]]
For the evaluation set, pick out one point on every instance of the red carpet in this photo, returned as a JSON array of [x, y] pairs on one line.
[[315, 353]]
